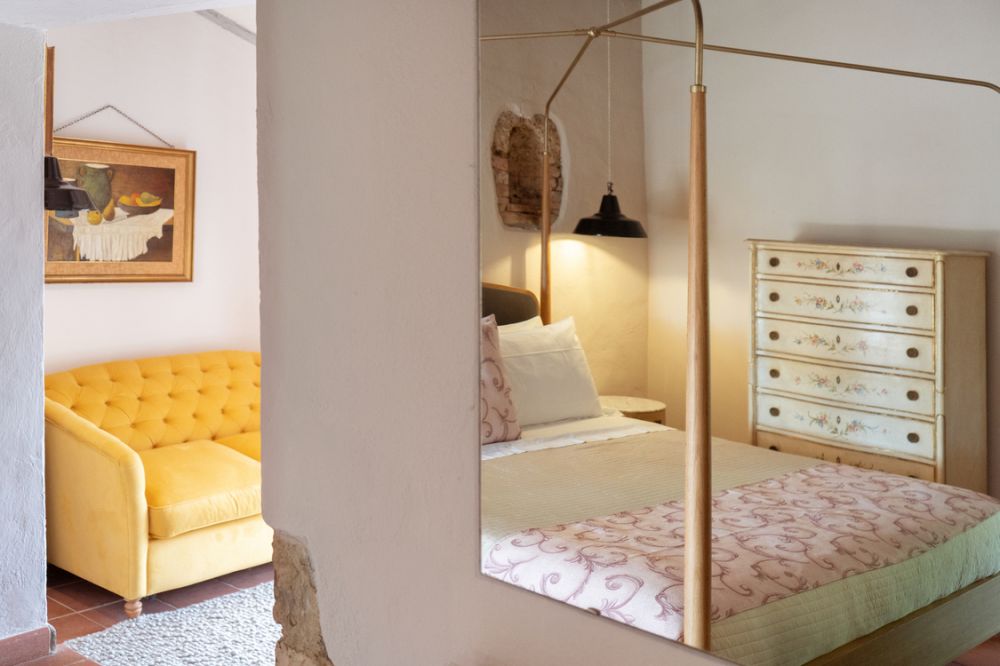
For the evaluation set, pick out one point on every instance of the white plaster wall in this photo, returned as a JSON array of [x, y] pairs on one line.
[[370, 340], [815, 154], [22, 483], [602, 282], [193, 84]]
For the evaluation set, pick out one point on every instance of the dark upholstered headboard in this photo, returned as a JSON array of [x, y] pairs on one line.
[[509, 304]]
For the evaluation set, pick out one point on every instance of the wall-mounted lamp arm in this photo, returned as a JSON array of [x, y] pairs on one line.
[[569, 70], [545, 290]]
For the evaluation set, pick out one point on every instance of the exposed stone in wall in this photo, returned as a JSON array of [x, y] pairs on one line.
[[295, 606], [517, 169]]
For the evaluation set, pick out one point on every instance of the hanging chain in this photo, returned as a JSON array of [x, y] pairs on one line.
[[122, 114], [608, 40]]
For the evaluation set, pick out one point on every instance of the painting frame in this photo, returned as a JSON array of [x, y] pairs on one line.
[[179, 268]]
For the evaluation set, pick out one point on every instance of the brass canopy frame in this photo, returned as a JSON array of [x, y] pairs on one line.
[[591, 34], [697, 487], [607, 30]]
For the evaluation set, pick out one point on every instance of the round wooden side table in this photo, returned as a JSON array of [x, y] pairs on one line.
[[645, 409]]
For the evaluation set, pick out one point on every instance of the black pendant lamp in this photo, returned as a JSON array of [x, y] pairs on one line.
[[60, 195], [609, 220]]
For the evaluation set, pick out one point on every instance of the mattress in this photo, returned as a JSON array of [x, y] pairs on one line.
[[559, 500]]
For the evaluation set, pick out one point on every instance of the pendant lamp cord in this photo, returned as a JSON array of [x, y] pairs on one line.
[[124, 115], [608, 12]]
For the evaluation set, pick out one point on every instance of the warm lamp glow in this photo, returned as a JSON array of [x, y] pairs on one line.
[[571, 253]]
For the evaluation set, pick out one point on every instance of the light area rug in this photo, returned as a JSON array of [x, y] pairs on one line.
[[236, 629]]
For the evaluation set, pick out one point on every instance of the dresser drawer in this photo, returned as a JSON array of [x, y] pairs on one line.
[[848, 426], [852, 345], [847, 304], [870, 389], [835, 454], [848, 267]]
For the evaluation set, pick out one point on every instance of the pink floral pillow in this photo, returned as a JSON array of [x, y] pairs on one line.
[[497, 414]]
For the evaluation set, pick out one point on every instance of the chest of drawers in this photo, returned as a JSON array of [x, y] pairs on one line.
[[872, 357]]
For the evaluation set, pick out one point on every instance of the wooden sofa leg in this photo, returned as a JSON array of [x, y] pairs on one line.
[[133, 608]]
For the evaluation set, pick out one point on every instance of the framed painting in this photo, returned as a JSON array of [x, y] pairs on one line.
[[143, 227]]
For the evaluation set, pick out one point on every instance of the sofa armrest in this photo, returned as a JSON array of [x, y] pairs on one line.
[[95, 500]]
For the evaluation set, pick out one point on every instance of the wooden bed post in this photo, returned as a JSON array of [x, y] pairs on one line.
[[698, 468], [698, 472]]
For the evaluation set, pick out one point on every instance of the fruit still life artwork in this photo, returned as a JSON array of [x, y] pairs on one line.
[[140, 204], [141, 223], [133, 221]]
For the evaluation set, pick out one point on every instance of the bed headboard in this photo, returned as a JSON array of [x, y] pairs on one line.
[[508, 304]]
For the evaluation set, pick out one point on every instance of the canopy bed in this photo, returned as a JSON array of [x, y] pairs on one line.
[[933, 624], [842, 565]]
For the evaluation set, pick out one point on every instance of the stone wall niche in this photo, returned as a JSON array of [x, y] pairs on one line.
[[517, 169]]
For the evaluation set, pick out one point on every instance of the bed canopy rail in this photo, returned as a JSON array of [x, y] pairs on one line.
[[808, 61], [697, 491], [770, 55]]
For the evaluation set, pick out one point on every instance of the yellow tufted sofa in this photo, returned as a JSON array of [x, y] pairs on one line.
[[152, 471]]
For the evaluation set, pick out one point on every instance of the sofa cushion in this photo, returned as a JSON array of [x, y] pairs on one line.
[[154, 402], [247, 443], [198, 484]]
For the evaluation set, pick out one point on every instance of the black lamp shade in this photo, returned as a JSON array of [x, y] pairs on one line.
[[60, 195], [609, 221]]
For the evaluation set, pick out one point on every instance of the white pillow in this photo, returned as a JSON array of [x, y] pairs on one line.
[[549, 375], [527, 324]]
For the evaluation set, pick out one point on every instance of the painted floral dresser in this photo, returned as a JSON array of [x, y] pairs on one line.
[[871, 357]]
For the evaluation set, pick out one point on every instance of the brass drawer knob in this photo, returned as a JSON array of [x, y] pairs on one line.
[[913, 438], [774, 296], [775, 373], [774, 411], [913, 352], [773, 335], [912, 272], [912, 395], [912, 310], [775, 262]]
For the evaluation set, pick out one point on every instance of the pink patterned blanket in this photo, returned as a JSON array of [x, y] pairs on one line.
[[771, 540]]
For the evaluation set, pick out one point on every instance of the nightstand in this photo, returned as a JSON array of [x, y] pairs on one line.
[[636, 408]]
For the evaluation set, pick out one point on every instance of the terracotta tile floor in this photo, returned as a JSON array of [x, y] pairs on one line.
[[78, 608], [987, 654]]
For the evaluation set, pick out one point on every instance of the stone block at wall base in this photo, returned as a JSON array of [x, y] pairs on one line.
[[295, 605]]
